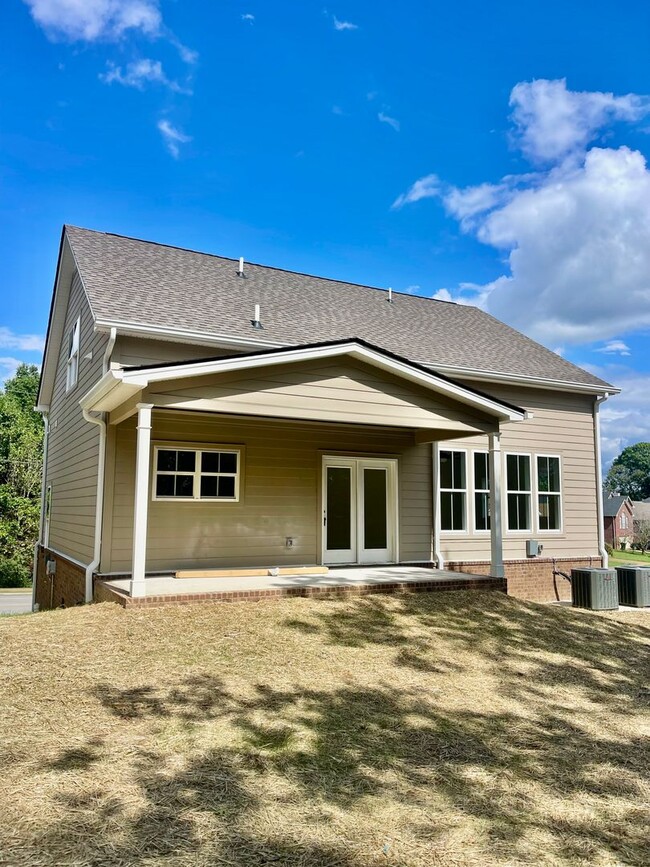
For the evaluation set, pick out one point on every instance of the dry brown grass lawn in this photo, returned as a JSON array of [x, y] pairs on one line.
[[442, 729]]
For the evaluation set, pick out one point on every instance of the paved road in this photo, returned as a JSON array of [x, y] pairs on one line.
[[16, 603]]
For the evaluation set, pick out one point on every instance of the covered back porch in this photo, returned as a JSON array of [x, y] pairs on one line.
[[316, 456]]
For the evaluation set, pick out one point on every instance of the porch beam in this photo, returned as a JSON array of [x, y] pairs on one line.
[[496, 518], [141, 505]]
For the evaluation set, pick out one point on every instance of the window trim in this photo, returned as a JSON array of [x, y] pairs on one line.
[[47, 515], [559, 493], [73, 353], [465, 531], [197, 448], [475, 491], [531, 493]]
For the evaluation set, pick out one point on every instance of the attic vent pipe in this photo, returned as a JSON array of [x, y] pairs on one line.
[[255, 321], [240, 272], [390, 295]]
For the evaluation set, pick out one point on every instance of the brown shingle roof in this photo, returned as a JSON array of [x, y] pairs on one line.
[[142, 282]]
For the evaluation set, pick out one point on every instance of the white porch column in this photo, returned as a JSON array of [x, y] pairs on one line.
[[496, 520], [435, 457], [141, 499]]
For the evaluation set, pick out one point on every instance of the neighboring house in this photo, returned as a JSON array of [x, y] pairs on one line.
[[641, 509], [618, 516], [205, 413]]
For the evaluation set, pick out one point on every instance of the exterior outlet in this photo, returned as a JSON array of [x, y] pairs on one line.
[[289, 542]]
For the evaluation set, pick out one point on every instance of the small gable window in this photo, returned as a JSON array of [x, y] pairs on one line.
[[72, 372]]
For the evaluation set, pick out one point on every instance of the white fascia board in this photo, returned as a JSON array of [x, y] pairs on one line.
[[520, 379], [200, 338], [61, 295], [110, 391], [353, 349]]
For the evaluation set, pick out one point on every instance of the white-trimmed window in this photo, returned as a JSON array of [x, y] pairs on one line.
[[481, 467], [549, 493], [196, 474], [72, 371], [47, 516], [623, 521], [453, 491], [518, 491]]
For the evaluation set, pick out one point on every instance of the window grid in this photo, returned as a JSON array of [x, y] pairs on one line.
[[453, 491], [481, 466], [72, 370], [549, 493], [518, 492], [196, 474]]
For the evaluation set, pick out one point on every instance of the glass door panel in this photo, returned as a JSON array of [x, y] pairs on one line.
[[375, 501], [339, 514]]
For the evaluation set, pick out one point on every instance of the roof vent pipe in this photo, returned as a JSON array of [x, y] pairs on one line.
[[390, 295], [255, 321], [240, 273]]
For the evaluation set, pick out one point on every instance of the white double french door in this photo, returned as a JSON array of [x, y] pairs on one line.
[[359, 510]]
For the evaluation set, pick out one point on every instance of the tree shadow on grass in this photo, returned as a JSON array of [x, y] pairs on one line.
[[350, 746]]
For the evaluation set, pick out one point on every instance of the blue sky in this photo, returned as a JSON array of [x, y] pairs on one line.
[[489, 153]]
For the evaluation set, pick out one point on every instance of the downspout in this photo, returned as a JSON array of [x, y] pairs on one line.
[[435, 457], [599, 481], [100, 421], [41, 528]]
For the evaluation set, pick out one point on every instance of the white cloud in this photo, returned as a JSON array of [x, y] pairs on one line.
[[442, 295], [336, 109], [140, 73], [344, 25], [173, 137], [104, 20], [8, 366], [575, 237], [428, 187], [413, 289], [248, 17], [615, 347], [391, 121], [25, 342], [91, 20], [578, 250], [552, 122]]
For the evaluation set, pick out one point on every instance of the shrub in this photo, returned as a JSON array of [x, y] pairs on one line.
[[609, 550], [14, 574]]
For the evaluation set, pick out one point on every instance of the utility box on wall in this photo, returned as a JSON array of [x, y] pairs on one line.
[[533, 548], [595, 589], [634, 585]]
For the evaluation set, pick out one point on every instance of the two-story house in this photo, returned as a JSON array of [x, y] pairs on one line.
[[206, 413]]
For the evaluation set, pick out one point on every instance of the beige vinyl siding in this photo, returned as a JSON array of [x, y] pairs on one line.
[[339, 391], [280, 493], [137, 351], [563, 425], [73, 442]]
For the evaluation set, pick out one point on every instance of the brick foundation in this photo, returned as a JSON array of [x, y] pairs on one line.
[[105, 593], [64, 589], [533, 579]]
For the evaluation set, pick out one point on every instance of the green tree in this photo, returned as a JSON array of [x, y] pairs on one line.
[[21, 450], [630, 473]]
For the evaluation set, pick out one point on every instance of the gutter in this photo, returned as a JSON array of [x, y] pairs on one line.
[[100, 421], [41, 527], [599, 481]]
